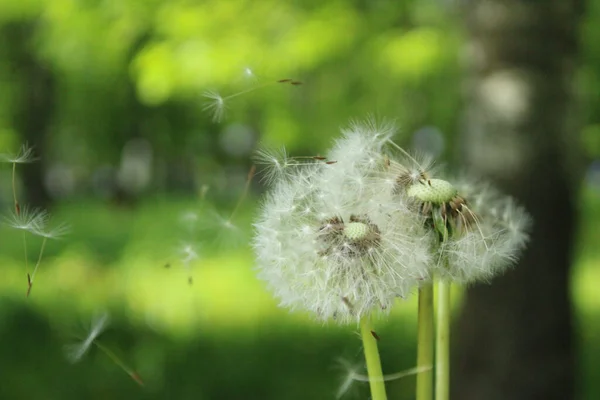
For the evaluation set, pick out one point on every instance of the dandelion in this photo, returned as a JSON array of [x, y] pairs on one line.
[[345, 237], [333, 239], [480, 233]]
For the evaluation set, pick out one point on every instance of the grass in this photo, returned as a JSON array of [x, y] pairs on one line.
[[221, 337]]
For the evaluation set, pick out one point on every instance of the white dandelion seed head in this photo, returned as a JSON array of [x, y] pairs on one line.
[[491, 238], [333, 240]]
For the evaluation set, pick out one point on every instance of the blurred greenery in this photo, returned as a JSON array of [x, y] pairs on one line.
[[132, 69]]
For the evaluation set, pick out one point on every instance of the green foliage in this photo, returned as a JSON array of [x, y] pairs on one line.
[[109, 56], [124, 69]]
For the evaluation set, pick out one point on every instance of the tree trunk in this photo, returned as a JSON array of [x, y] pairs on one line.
[[514, 337]]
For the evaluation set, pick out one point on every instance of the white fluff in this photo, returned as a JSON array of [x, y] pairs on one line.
[[305, 258]]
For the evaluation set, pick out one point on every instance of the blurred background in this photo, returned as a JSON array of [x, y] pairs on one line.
[[122, 102]]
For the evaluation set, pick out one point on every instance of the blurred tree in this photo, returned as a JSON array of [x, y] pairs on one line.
[[34, 104], [515, 336]]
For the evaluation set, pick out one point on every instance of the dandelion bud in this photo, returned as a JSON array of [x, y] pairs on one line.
[[435, 191]]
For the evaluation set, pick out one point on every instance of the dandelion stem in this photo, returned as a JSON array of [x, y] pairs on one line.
[[17, 213], [14, 187], [425, 343], [39, 259], [25, 251], [134, 375], [442, 343], [373, 362]]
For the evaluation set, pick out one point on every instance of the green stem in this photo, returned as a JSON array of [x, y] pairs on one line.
[[39, 261], [442, 343], [373, 362], [14, 187], [425, 344], [134, 375]]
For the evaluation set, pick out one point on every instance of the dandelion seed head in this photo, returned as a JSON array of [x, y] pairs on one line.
[[334, 241], [486, 230]]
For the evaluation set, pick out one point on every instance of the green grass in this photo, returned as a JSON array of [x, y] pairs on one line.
[[221, 337]]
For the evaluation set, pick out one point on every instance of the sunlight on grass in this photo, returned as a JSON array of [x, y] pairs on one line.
[[225, 293]]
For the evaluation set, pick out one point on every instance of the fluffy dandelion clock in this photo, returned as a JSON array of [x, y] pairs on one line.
[[332, 238], [481, 232]]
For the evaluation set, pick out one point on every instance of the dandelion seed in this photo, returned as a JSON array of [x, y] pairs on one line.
[[352, 374], [275, 162], [24, 156], [27, 219], [250, 75], [215, 106], [480, 231], [120, 363], [55, 232], [75, 352], [188, 256], [188, 253]]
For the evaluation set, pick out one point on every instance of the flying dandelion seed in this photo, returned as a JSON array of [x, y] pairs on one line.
[[27, 219], [215, 105], [352, 373], [481, 232], [188, 255], [24, 156], [75, 352]]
